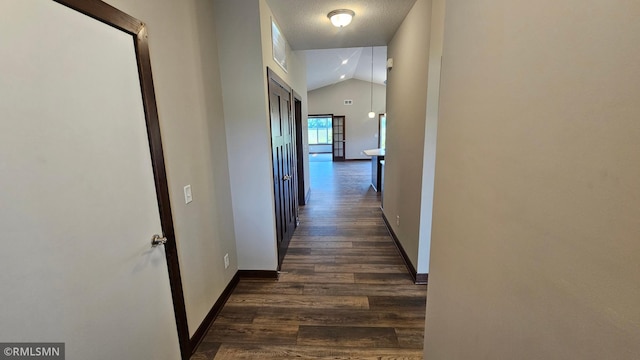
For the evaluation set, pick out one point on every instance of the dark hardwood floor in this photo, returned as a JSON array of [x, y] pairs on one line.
[[344, 292]]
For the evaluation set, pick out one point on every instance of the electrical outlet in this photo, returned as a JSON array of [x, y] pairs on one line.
[[398, 220], [226, 261]]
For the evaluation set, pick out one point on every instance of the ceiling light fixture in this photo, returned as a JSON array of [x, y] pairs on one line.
[[371, 113], [341, 17], [345, 61], [342, 76]]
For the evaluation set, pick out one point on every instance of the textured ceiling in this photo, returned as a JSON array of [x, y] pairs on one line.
[[305, 25]]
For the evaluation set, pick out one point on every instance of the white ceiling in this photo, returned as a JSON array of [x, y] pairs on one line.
[[305, 25], [324, 67], [307, 29]]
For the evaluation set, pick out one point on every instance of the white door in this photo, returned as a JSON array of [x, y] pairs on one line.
[[77, 198]]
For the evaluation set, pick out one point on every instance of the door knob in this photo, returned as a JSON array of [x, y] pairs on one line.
[[158, 240]]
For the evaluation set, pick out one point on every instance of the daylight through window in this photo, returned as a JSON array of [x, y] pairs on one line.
[[320, 130]]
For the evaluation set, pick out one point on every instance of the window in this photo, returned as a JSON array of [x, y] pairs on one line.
[[382, 131], [320, 130]]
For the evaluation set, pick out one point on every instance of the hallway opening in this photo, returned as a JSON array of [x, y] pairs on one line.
[[343, 289]]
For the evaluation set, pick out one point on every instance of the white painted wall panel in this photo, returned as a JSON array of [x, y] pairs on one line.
[[406, 129], [535, 248], [248, 134]]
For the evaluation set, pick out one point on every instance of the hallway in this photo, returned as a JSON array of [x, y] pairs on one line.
[[343, 291]]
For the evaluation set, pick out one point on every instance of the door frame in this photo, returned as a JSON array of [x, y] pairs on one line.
[[113, 17], [322, 116], [274, 79], [297, 114], [344, 138]]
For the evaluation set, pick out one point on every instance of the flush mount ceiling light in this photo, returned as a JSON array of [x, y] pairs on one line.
[[341, 17]]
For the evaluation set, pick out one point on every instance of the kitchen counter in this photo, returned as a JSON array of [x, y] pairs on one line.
[[374, 152], [377, 155]]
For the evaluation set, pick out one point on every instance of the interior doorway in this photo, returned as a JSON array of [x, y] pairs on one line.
[[285, 174], [320, 137], [326, 136]]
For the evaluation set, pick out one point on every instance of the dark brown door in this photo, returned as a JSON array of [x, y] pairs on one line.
[[338, 138], [297, 118], [284, 162]]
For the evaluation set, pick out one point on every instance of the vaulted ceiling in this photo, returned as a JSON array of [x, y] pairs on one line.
[[325, 67], [305, 25]]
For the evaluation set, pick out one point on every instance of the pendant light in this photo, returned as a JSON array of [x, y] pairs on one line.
[[371, 113]]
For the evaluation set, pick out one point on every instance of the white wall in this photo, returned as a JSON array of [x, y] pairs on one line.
[[296, 77], [240, 54], [430, 134], [305, 112], [361, 132], [406, 124], [535, 250], [244, 48]]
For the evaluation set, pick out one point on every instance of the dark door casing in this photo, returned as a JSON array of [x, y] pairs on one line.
[[283, 148], [297, 101], [339, 141]]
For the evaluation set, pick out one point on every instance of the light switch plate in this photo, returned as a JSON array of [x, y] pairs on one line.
[[188, 197]]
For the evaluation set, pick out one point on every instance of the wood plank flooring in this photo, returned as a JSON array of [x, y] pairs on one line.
[[343, 293]]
